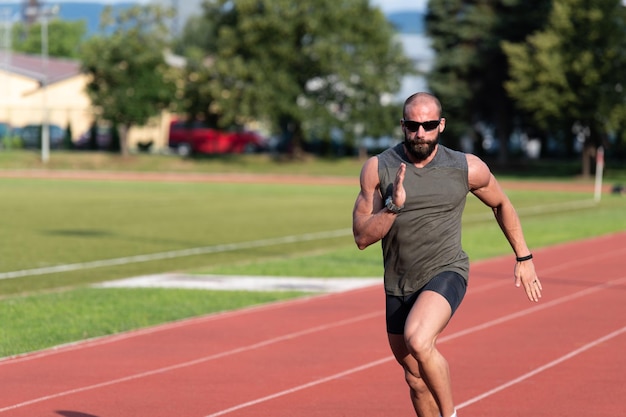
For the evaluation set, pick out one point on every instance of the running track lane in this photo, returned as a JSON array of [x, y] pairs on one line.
[[328, 355]]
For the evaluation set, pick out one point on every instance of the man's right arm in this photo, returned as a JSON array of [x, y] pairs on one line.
[[370, 219]]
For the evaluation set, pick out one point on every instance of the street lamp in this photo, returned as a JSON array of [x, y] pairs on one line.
[[44, 14]]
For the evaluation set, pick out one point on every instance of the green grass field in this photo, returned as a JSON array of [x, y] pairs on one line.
[[251, 229]]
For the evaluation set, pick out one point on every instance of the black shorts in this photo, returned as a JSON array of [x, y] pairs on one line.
[[450, 285]]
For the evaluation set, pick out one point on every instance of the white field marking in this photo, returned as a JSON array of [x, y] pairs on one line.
[[302, 333], [243, 283], [548, 208], [176, 254], [542, 368]]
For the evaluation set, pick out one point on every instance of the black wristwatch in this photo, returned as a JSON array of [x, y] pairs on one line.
[[392, 207]]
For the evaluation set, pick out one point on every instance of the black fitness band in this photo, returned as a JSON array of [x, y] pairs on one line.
[[524, 258]]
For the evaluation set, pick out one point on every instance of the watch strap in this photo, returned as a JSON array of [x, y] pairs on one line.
[[391, 206]]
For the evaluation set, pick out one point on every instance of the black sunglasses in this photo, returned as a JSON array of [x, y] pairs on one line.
[[413, 126]]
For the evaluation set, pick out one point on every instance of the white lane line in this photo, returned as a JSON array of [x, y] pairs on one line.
[[387, 359], [301, 387], [302, 333], [592, 258], [176, 254], [441, 340], [194, 362], [538, 307], [103, 340], [542, 368]]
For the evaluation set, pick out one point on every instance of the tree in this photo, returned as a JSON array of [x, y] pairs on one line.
[[470, 67], [196, 35], [64, 38], [130, 80], [299, 67], [574, 71]]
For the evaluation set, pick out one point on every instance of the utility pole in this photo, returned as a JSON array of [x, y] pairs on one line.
[[6, 37], [6, 50], [9, 16], [33, 11]]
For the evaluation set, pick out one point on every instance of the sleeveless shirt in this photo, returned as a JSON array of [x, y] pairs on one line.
[[425, 238]]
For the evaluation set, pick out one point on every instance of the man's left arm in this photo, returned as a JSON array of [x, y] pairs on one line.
[[484, 185]]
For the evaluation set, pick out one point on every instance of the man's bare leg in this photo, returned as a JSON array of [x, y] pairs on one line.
[[428, 317], [423, 401]]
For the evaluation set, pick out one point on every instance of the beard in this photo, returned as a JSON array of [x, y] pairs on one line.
[[420, 149]]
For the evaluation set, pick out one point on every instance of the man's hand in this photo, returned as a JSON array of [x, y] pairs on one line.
[[399, 194], [526, 276]]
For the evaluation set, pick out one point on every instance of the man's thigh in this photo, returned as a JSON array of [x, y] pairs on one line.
[[448, 285]]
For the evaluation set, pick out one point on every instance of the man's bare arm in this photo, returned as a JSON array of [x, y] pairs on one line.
[[370, 220], [485, 186]]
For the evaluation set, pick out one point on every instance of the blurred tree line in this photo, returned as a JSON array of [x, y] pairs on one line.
[[553, 69], [306, 69]]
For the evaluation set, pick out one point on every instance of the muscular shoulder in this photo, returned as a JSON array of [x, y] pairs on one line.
[[478, 173], [369, 173]]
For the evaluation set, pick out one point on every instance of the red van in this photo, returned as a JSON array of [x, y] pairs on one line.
[[188, 138]]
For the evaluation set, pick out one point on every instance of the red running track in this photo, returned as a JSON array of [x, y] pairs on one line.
[[328, 355]]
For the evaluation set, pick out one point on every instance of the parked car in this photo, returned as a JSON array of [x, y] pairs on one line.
[[188, 138], [31, 136], [102, 139]]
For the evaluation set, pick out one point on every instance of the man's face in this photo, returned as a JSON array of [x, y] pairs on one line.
[[421, 139]]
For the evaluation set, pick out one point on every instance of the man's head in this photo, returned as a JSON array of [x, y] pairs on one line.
[[422, 124]]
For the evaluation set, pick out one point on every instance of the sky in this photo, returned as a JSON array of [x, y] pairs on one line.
[[385, 5], [394, 5]]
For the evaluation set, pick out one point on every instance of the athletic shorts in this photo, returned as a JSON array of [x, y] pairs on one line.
[[450, 285]]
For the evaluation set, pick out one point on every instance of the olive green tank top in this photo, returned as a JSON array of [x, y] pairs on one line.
[[425, 238]]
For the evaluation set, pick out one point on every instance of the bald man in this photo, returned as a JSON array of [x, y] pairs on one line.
[[411, 199]]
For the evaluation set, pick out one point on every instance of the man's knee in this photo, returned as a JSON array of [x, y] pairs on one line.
[[419, 345]]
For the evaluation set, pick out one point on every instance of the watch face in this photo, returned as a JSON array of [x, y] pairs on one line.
[[390, 206]]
